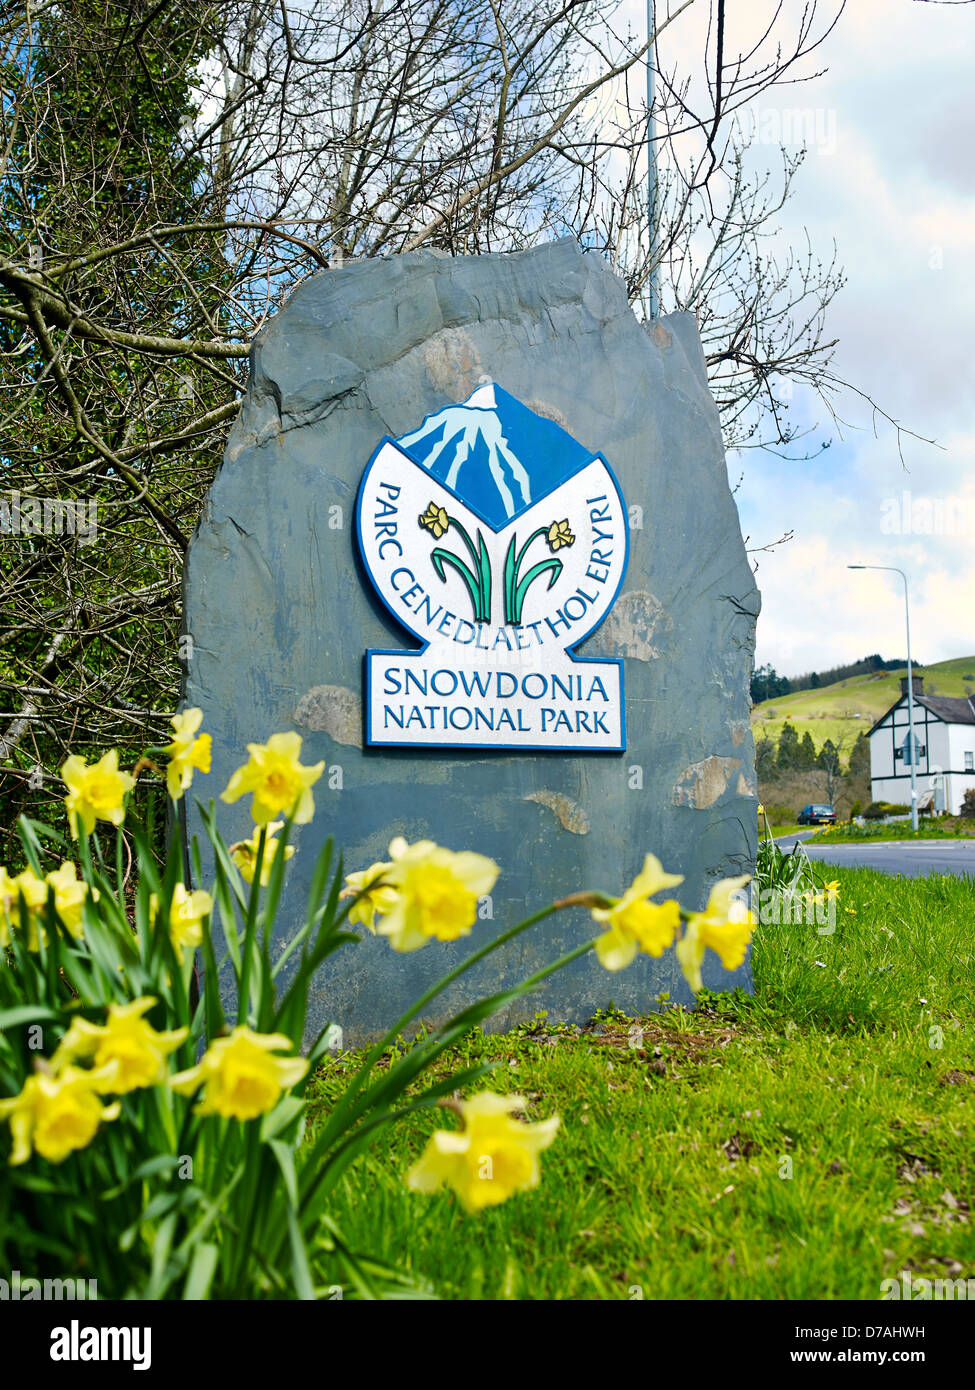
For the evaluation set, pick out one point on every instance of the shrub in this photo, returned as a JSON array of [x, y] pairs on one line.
[[877, 810], [968, 804]]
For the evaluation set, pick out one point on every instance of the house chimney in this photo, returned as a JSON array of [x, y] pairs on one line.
[[917, 682]]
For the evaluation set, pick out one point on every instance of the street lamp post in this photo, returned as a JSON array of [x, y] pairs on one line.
[[911, 740], [653, 292]]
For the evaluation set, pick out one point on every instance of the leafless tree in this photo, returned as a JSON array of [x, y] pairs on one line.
[[170, 171]]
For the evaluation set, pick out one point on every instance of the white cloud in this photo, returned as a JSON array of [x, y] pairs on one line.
[[897, 195]]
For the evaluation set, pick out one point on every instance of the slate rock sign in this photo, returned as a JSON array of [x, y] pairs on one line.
[[473, 539]]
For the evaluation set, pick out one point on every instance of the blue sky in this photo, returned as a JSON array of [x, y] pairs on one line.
[[892, 182]]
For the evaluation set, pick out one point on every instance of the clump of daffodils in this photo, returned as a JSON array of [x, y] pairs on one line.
[[69, 893], [422, 892], [55, 1114], [61, 1108]]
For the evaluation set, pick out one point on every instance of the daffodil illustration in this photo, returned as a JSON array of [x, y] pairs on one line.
[[515, 587], [435, 520], [477, 579], [559, 535]]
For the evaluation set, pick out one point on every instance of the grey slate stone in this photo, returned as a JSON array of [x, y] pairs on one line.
[[281, 616]]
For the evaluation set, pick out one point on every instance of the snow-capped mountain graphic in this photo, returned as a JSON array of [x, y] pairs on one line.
[[495, 454]]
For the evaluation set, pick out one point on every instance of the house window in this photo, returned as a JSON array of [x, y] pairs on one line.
[[970, 762]]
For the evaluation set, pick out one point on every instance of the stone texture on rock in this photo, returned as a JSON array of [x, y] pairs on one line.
[[281, 616]]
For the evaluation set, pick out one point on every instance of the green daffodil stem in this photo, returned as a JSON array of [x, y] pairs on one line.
[[250, 926], [524, 987], [347, 1109]]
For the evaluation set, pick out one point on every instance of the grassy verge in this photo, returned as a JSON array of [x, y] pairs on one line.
[[956, 829], [778, 830], [805, 1143]]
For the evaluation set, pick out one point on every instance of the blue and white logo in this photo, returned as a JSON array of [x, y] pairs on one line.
[[500, 543]]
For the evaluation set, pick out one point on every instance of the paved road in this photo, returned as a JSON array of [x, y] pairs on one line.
[[895, 856]]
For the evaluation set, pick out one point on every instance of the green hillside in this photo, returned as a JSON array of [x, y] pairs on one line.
[[841, 711]]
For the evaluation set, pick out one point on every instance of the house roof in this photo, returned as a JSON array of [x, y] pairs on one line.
[[952, 709]]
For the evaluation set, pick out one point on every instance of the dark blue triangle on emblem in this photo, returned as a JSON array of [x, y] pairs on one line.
[[494, 454]]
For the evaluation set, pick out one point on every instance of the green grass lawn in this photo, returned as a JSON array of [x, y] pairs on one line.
[[805, 1143], [778, 830]]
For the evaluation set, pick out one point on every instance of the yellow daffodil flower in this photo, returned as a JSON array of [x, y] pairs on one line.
[[435, 520], [559, 535], [373, 897], [488, 1160], [95, 793], [70, 893], [725, 925], [8, 900], [244, 854], [240, 1077], [69, 896], [436, 893], [54, 1115], [186, 913], [761, 809], [634, 924], [279, 782], [34, 891], [127, 1052], [186, 752]]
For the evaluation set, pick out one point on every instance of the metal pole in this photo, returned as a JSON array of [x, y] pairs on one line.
[[911, 741], [653, 295]]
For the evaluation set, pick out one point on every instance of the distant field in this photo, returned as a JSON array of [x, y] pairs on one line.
[[839, 712]]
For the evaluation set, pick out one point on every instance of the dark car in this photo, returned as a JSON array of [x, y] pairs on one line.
[[816, 815]]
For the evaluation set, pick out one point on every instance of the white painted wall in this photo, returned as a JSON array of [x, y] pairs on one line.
[[944, 745]]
